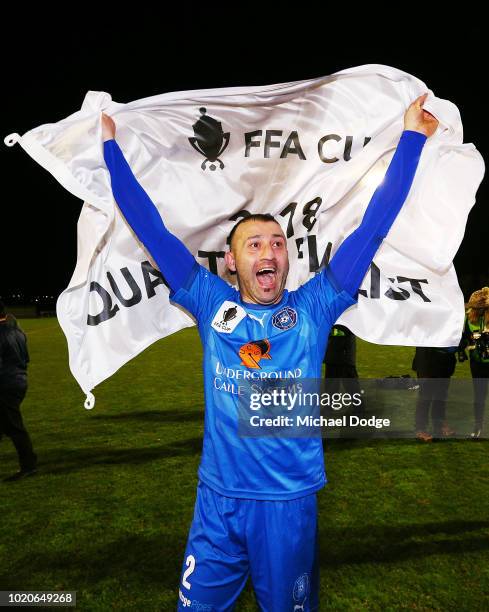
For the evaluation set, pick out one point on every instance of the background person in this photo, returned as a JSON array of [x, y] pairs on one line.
[[434, 366], [14, 358], [340, 364], [476, 339]]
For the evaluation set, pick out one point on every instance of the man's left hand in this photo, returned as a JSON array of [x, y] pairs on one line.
[[419, 120]]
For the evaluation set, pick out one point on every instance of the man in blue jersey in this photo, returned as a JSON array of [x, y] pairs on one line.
[[255, 513]]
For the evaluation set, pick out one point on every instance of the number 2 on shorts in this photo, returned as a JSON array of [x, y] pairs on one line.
[[190, 563]]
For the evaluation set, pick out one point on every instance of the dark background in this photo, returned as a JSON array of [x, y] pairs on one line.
[[52, 59]]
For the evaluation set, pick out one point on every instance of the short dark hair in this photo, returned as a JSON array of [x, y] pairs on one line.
[[3, 312], [252, 217]]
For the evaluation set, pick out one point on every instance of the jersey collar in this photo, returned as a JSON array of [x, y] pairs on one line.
[[252, 306]]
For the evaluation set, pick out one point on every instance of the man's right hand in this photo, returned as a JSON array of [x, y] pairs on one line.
[[108, 127]]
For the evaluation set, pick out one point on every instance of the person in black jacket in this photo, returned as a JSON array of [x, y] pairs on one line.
[[14, 358], [341, 354], [340, 363]]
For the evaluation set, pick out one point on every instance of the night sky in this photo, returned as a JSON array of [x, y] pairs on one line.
[[48, 69]]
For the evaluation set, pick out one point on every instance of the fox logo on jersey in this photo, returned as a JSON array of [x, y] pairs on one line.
[[252, 352]]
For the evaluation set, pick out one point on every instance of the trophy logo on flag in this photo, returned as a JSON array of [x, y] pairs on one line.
[[209, 140]]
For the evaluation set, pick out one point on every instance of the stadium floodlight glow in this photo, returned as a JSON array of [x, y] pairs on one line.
[[375, 176]]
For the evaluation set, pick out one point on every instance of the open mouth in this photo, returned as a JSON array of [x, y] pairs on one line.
[[267, 277]]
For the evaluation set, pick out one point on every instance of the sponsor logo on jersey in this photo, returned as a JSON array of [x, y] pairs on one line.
[[285, 318], [252, 352], [246, 375], [227, 317], [300, 591], [261, 320], [210, 140]]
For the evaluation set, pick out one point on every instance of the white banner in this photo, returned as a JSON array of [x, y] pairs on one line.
[[310, 152]]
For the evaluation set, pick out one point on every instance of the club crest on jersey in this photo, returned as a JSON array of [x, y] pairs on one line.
[[300, 592], [227, 317], [252, 352], [285, 318]]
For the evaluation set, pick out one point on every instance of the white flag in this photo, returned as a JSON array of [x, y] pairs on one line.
[[311, 153]]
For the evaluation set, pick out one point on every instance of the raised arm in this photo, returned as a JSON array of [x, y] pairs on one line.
[[354, 256], [172, 257]]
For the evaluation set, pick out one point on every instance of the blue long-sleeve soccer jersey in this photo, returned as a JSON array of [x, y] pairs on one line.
[[245, 342]]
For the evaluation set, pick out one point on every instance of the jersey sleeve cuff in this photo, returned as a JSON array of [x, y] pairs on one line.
[[185, 287], [413, 138]]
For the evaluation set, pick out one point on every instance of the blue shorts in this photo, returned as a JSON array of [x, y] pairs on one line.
[[274, 542]]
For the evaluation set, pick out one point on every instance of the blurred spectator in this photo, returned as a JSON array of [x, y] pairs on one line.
[[476, 339], [434, 366], [340, 362], [13, 386]]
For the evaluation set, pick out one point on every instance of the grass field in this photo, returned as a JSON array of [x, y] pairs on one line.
[[403, 525]]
